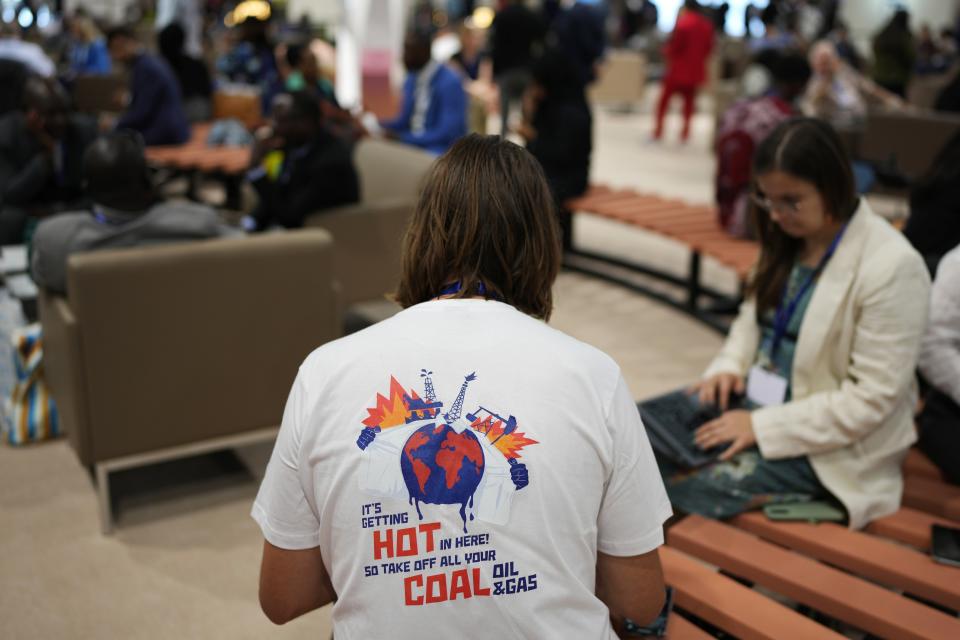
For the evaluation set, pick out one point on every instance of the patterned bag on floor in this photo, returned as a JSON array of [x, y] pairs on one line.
[[30, 414]]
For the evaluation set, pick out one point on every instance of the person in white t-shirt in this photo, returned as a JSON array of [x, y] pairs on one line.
[[462, 467]]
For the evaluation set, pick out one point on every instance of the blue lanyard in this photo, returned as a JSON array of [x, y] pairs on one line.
[[786, 309], [102, 218], [455, 287]]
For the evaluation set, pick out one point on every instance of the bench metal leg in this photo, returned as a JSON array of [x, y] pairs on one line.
[[193, 186], [232, 187], [103, 497], [693, 281]]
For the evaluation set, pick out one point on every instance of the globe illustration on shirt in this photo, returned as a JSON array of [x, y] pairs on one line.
[[444, 460], [441, 466]]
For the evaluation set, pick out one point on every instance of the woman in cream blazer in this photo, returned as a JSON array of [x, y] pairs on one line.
[[852, 383]]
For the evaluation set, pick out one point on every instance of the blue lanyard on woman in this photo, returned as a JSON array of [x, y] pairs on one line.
[[455, 287], [786, 309]]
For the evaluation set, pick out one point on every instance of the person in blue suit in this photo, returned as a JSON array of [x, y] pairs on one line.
[[155, 109], [434, 111]]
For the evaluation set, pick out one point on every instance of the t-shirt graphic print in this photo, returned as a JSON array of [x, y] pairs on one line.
[[413, 452], [460, 466], [472, 460]]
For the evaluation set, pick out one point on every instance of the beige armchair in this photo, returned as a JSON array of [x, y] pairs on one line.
[[175, 350], [367, 235]]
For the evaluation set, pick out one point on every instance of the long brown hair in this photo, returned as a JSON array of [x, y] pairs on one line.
[[808, 149], [484, 218]]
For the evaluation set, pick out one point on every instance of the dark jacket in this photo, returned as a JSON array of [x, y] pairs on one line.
[[516, 30], [318, 176], [563, 144], [949, 97], [13, 75], [933, 227], [192, 75], [28, 177], [579, 33], [155, 109], [60, 236]]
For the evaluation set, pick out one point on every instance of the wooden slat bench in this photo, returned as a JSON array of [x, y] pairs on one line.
[[730, 606], [910, 527], [830, 591], [193, 158], [679, 628], [932, 496], [695, 227], [919, 465], [862, 554]]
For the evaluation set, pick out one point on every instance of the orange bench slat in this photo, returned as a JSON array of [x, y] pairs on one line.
[[731, 606], [679, 628], [909, 526], [932, 496], [593, 190], [590, 203], [917, 464], [643, 216], [695, 226], [681, 220], [641, 202], [833, 592], [860, 553], [684, 228]]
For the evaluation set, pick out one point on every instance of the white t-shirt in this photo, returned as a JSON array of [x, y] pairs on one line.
[[507, 455]]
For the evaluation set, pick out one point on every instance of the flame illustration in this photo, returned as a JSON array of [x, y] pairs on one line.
[[509, 445], [389, 412]]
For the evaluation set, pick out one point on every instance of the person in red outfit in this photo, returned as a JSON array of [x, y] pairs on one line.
[[686, 53]]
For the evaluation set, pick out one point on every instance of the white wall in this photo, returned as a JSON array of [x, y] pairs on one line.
[[319, 11], [110, 10]]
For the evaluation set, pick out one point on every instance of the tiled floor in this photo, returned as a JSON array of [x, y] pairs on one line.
[[184, 560]]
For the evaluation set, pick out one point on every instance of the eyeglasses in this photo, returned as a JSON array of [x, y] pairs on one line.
[[788, 207]]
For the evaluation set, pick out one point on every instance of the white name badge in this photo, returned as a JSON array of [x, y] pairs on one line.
[[766, 388]]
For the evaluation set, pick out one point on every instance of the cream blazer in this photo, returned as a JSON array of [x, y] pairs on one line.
[[854, 388]]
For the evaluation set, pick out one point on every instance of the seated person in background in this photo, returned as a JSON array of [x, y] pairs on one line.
[[480, 259], [933, 226], [939, 421], [125, 212], [839, 94], [434, 109], [155, 109], [41, 152], [297, 166], [87, 51], [305, 74], [825, 346], [251, 60], [472, 60], [31, 55], [196, 90], [744, 126], [558, 128]]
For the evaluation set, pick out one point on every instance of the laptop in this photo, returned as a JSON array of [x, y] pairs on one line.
[[672, 419]]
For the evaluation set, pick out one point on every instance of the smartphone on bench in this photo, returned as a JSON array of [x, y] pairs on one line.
[[814, 511], [946, 545]]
